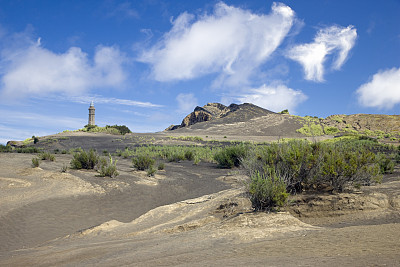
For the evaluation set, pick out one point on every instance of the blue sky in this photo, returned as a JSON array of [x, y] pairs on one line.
[[146, 64]]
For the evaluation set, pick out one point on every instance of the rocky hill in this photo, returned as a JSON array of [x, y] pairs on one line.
[[214, 111], [250, 120], [244, 119]]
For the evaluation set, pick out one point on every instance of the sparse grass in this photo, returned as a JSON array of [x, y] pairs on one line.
[[27, 141], [187, 138]]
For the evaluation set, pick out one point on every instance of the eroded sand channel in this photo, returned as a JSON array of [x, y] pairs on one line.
[[38, 205]]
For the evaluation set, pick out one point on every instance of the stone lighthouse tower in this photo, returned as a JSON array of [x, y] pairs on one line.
[[91, 114]]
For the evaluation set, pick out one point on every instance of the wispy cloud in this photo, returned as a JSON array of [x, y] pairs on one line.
[[28, 119], [230, 42], [382, 91], [111, 100], [186, 102], [17, 125], [30, 69], [122, 10], [330, 40], [274, 97]]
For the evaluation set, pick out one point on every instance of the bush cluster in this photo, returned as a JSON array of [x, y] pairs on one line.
[[47, 156], [303, 165], [5, 149], [299, 165], [108, 168], [143, 162], [230, 156], [111, 129], [122, 129], [85, 160], [267, 191]]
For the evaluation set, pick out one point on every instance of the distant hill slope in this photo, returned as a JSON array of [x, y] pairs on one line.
[[244, 119], [250, 120]]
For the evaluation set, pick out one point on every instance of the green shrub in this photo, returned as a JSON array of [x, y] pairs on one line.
[[385, 163], [176, 156], [122, 129], [143, 162], [85, 160], [108, 168], [303, 165], [267, 191], [5, 149], [64, 168], [161, 166], [29, 149], [47, 156], [189, 154], [331, 130], [311, 129], [35, 139], [230, 156], [35, 162], [285, 111], [111, 129], [151, 171]]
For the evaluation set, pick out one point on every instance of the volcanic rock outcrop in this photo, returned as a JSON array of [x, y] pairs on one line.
[[213, 111]]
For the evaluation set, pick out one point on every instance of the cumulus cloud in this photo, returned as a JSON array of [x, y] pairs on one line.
[[231, 42], [382, 91], [186, 102], [275, 98], [330, 40], [33, 70]]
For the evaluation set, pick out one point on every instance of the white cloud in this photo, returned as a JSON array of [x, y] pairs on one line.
[[186, 102], [231, 42], [35, 70], [84, 99], [330, 40], [274, 98], [383, 91]]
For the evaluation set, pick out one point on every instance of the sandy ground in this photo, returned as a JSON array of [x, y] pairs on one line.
[[186, 215]]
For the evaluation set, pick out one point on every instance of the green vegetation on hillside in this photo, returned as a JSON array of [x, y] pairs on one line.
[[110, 129]]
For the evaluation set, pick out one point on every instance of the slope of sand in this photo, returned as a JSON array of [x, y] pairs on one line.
[[217, 229], [186, 215]]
